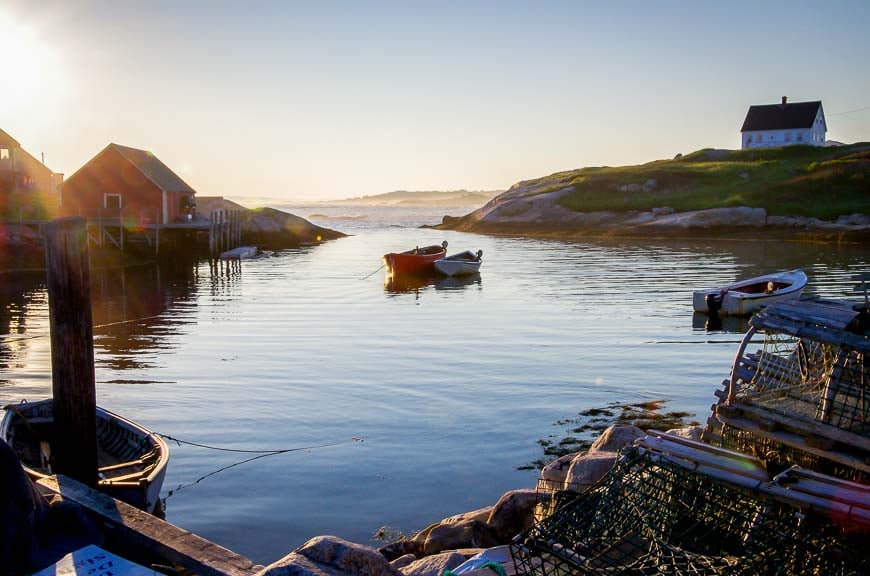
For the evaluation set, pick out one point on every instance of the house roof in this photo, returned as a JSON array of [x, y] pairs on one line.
[[7, 139], [781, 116], [153, 169]]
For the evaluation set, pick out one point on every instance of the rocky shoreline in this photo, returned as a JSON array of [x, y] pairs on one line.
[[525, 210], [21, 246]]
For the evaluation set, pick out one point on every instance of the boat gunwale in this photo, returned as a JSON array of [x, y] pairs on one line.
[[108, 416]]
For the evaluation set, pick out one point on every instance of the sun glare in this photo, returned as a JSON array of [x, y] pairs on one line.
[[32, 80]]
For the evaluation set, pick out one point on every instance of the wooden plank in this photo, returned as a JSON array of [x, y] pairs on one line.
[[834, 315], [68, 279], [834, 337], [795, 441], [141, 530], [805, 426]]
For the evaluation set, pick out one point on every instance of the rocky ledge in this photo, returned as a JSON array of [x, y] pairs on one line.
[[449, 543], [525, 210]]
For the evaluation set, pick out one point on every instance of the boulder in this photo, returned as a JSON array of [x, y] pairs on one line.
[[403, 561], [295, 564], [588, 469], [470, 533], [403, 548], [339, 554], [690, 432], [481, 514], [555, 471], [615, 438], [434, 565], [267, 227], [512, 514]]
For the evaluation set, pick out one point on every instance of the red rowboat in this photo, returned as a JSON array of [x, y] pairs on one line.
[[416, 261]]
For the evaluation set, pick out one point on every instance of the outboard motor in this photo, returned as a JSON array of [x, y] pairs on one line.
[[713, 302]]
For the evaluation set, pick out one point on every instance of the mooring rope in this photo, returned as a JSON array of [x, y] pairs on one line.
[[373, 273], [259, 454], [279, 451]]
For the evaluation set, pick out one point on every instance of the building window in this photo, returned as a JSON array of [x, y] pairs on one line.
[[758, 137], [112, 201], [800, 137], [771, 136], [788, 136], [4, 153]]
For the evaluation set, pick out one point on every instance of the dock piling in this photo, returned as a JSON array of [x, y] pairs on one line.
[[74, 445]]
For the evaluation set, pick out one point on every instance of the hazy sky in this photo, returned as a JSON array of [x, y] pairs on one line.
[[324, 99]]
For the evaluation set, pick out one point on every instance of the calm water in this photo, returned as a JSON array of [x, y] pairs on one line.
[[448, 384]]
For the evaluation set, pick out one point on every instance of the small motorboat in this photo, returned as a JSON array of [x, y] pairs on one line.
[[460, 264], [416, 261], [745, 297], [131, 460]]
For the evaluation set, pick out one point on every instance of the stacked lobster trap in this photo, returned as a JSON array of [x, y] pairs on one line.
[[779, 486]]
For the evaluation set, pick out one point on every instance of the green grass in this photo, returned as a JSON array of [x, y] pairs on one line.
[[790, 181]]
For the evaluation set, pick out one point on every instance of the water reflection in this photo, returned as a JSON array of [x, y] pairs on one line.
[[728, 324], [405, 284], [459, 282], [128, 311]]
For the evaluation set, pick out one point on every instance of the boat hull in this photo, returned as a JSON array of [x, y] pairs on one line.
[[132, 459], [414, 261], [460, 264], [748, 296]]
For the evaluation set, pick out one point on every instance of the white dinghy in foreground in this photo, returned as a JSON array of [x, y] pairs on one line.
[[745, 297]]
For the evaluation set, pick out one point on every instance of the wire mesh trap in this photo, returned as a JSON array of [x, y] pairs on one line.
[[652, 515], [804, 397]]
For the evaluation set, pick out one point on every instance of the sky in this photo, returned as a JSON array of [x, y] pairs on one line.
[[331, 99]]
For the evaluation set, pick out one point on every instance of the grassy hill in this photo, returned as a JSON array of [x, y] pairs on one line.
[[790, 181]]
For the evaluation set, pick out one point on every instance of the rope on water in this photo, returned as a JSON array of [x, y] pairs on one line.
[[259, 454], [279, 451], [373, 273]]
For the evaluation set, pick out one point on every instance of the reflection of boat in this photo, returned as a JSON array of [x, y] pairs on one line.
[[132, 460], [710, 323], [416, 261], [460, 264], [400, 283], [745, 297], [457, 282]]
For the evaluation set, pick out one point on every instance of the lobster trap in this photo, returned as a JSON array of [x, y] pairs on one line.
[[803, 398], [674, 506]]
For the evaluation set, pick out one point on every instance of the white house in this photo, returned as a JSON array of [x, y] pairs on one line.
[[784, 125]]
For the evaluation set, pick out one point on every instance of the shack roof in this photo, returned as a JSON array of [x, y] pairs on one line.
[[155, 170], [7, 140], [781, 116]]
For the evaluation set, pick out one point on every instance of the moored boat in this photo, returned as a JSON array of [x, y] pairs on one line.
[[416, 261], [747, 296], [131, 459], [460, 264]]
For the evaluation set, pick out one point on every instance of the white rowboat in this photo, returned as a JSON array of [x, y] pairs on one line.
[[462, 263], [747, 296], [132, 460]]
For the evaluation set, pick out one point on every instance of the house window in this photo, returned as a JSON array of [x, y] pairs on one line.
[[758, 137], [800, 137], [112, 201], [788, 136], [4, 153]]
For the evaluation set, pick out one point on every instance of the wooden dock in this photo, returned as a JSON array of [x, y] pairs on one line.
[[149, 535]]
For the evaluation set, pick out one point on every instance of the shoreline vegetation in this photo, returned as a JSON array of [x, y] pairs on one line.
[[801, 193]]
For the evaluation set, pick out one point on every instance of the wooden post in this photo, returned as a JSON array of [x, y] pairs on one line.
[[74, 445]]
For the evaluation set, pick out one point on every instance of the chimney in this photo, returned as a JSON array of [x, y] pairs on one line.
[[784, 98]]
